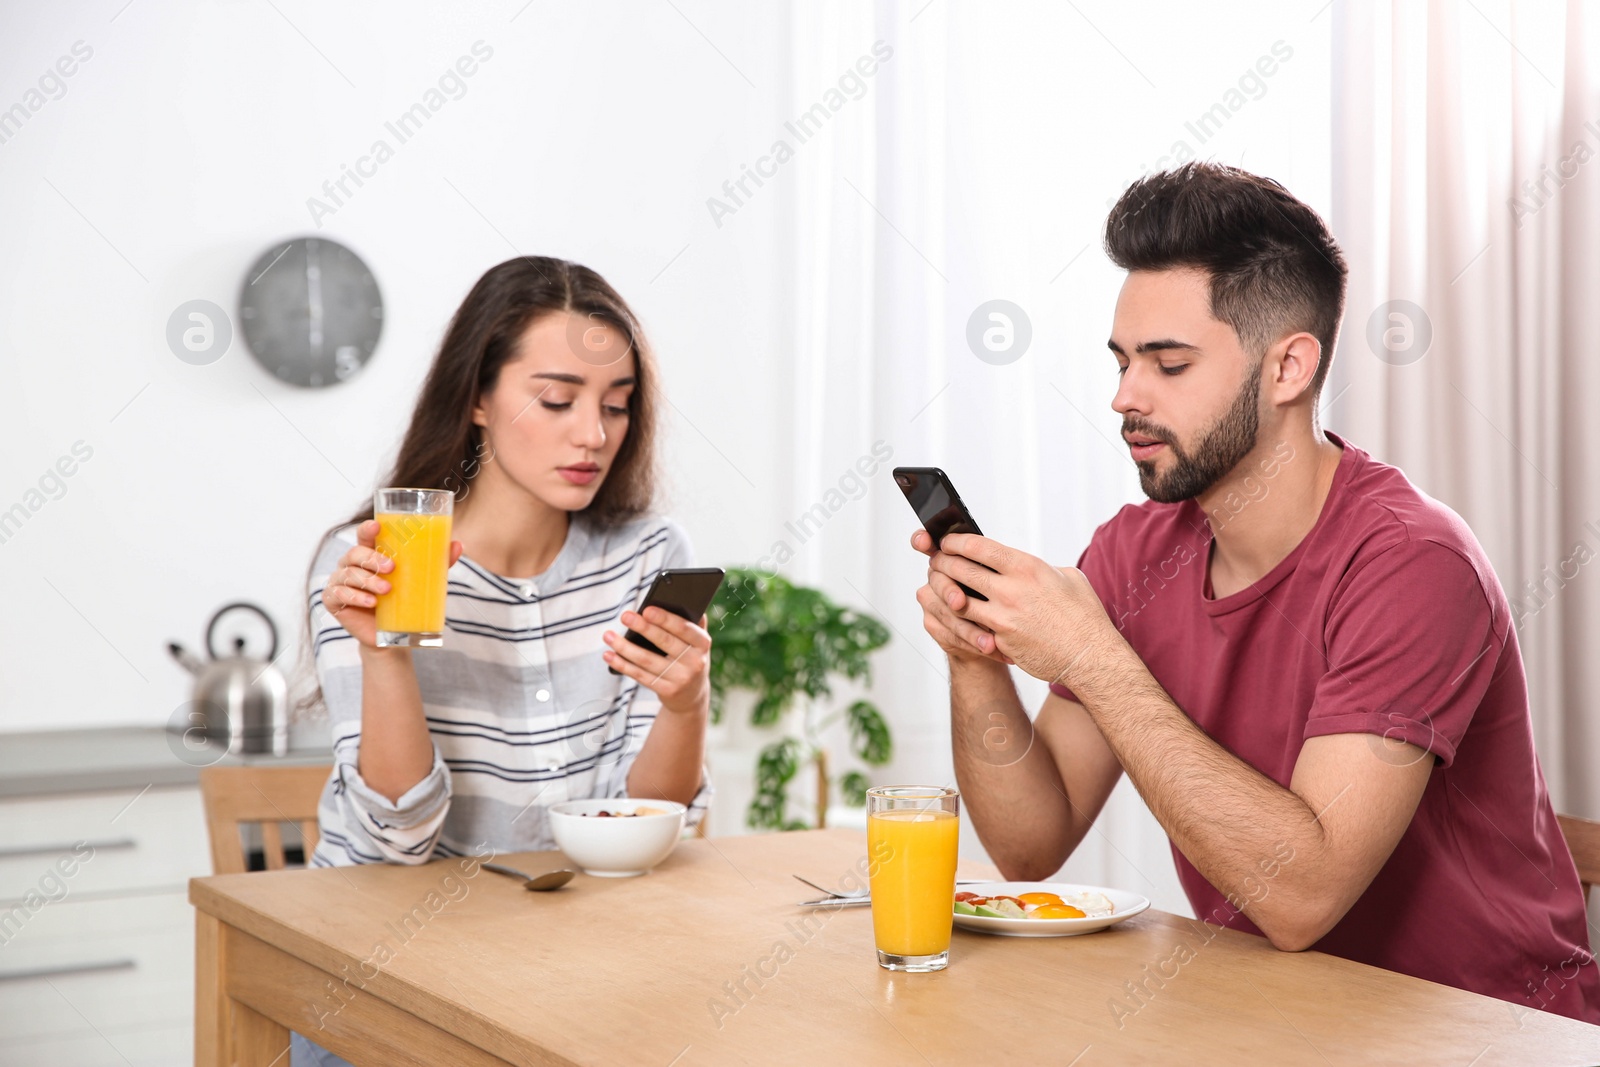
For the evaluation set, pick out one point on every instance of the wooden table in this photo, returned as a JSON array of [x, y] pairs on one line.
[[707, 961]]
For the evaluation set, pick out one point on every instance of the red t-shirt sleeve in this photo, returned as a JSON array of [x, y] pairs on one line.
[[1094, 566], [1412, 647]]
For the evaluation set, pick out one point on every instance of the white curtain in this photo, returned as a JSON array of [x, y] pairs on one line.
[[979, 166], [1467, 196], [1452, 147]]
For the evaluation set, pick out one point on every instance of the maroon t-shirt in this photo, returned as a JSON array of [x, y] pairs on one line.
[[1386, 620]]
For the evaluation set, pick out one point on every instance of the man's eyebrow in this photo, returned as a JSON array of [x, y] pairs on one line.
[[1163, 345], [578, 379]]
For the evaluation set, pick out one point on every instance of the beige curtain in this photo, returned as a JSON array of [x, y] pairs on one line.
[[1467, 196]]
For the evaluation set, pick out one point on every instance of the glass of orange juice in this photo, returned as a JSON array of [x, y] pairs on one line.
[[414, 531], [911, 835]]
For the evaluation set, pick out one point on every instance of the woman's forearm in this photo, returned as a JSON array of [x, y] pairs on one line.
[[669, 765], [396, 750]]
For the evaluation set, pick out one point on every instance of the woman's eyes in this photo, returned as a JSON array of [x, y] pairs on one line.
[[610, 409]]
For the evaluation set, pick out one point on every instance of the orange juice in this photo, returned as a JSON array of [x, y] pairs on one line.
[[913, 888], [420, 548]]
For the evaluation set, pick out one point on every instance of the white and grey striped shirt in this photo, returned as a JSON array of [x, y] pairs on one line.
[[521, 706]]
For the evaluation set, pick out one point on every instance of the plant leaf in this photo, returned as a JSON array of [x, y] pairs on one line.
[[869, 733], [775, 768], [853, 787]]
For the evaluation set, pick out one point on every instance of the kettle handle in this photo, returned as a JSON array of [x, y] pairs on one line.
[[211, 628]]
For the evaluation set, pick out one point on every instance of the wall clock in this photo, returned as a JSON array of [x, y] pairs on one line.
[[310, 311]]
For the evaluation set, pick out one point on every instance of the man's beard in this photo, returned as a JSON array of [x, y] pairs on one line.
[[1221, 447]]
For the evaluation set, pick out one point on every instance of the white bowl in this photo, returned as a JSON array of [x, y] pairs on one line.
[[616, 847]]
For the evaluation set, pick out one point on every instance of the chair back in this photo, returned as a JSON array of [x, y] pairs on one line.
[[267, 797], [1583, 841]]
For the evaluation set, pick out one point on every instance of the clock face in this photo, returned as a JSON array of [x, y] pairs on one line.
[[311, 311]]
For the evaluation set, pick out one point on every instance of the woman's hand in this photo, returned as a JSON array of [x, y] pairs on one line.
[[351, 595], [682, 677]]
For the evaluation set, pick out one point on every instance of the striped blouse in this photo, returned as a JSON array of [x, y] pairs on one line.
[[522, 709]]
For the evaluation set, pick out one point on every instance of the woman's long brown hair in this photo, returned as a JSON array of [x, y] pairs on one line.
[[443, 448]]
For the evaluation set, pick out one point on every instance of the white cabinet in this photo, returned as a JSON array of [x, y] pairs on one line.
[[96, 932], [136, 839]]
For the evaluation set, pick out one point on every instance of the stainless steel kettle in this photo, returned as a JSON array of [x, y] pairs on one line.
[[241, 701]]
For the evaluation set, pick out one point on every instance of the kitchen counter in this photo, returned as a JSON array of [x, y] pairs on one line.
[[72, 761]]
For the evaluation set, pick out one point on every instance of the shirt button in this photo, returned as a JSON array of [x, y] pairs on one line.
[[543, 694], [527, 590], [552, 762]]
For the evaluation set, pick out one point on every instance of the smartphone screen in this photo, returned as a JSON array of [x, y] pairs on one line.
[[686, 592], [935, 501], [938, 506]]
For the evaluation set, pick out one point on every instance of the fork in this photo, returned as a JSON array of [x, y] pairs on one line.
[[862, 894]]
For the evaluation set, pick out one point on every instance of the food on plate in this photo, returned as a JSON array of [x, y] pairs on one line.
[[1039, 898], [1035, 905], [624, 814], [1092, 904]]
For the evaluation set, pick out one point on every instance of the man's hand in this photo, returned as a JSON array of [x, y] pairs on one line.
[[1045, 619], [940, 600]]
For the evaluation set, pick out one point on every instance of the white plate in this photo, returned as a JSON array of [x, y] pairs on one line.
[[1124, 905]]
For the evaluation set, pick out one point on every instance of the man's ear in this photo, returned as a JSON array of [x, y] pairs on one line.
[[1293, 364]]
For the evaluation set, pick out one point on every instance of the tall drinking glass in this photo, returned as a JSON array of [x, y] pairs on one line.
[[911, 836], [414, 531]]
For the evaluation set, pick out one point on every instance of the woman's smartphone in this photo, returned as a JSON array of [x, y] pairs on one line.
[[938, 506], [686, 592]]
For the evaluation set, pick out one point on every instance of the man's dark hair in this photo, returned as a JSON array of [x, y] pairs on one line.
[[1275, 269]]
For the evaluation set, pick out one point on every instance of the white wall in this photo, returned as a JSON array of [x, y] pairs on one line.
[[191, 139]]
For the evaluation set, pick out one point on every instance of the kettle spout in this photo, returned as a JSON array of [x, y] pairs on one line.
[[185, 658]]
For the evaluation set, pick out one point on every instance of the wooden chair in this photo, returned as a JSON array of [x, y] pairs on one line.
[[267, 797], [1583, 841]]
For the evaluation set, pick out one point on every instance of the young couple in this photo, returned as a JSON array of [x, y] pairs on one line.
[[1310, 657]]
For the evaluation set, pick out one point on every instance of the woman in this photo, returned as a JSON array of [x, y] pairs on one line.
[[539, 412]]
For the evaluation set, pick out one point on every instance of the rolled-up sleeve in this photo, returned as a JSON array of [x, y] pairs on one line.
[[1413, 646], [358, 824]]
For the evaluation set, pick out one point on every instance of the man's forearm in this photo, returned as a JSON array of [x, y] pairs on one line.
[[1257, 842], [1012, 789]]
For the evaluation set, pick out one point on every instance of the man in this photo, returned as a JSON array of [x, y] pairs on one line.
[[1306, 666]]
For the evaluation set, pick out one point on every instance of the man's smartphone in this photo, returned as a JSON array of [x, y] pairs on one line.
[[686, 592], [938, 507]]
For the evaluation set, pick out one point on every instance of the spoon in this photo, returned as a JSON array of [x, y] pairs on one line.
[[538, 883]]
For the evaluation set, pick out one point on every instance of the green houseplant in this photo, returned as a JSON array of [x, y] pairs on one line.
[[787, 644]]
